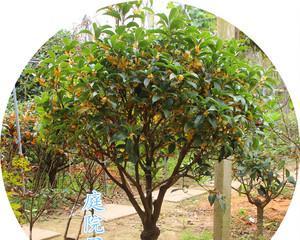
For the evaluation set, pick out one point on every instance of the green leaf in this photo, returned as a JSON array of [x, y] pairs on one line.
[[132, 24], [194, 85], [191, 74], [219, 44], [166, 113], [114, 14], [109, 32], [119, 136], [139, 34], [103, 8], [291, 180], [198, 121], [255, 143], [212, 122], [141, 16], [120, 29], [125, 7], [212, 198], [176, 23], [86, 32], [173, 13], [187, 126], [97, 30], [287, 173], [149, 10], [83, 110], [146, 83], [155, 98], [171, 147], [164, 18]]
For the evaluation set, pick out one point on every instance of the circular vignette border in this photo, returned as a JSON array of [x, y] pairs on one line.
[[28, 24]]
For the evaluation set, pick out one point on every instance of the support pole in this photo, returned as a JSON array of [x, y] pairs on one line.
[[222, 218], [19, 135], [223, 169], [17, 122]]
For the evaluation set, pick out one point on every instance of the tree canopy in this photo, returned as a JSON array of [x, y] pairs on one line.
[[133, 96]]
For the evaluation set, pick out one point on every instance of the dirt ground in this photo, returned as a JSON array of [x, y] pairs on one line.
[[194, 215], [244, 213]]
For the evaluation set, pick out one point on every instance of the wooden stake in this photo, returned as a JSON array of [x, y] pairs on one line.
[[223, 169]]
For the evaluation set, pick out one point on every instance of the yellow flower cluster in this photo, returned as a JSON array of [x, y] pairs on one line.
[[121, 63]]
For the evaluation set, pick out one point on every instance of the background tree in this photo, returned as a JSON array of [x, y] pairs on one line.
[[35, 148], [262, 175], [26, 179], [202, 19], [26, 87], [283, 128]]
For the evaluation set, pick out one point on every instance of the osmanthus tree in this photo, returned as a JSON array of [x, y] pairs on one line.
[[133, 96], [262, 175], [284, 127], [261, 168]]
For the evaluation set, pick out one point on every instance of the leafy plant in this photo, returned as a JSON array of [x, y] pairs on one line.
[[26, 88], [262, 177], [14, 179], [202, 19]]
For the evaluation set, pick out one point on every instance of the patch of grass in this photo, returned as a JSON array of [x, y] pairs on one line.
[[271, 225], [242, 212], [251, 237], [205, 235]]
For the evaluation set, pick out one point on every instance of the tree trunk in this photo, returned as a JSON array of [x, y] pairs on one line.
[[52, 178], [260, 221], [81, 223], [297, 168], [150, 231], [30, 231]]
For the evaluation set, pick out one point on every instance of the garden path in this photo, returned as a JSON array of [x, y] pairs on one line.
[[41, 234]]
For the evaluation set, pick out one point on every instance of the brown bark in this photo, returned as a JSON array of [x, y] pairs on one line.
[[260, 221], [150, 212], [30, 231], [80, 227], [73, 209], [52, 177], [150, 231]]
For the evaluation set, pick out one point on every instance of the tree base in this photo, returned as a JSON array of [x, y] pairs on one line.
[[150, 233]]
